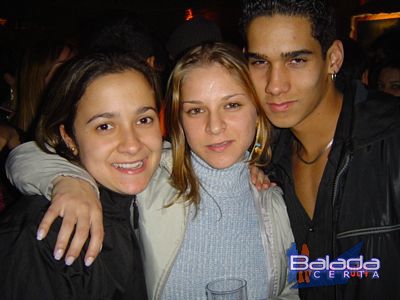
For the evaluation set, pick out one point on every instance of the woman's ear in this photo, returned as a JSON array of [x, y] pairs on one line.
[[68, 140], [335, 57]]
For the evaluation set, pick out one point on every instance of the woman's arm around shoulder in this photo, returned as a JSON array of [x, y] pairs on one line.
[[33, 171]]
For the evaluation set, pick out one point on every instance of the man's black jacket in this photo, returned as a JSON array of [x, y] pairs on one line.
[[358, 198]]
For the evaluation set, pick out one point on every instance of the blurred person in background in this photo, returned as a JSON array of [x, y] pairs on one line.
[[38, 64], [190, 34], [387, 76], [384, 55], [9, 134]]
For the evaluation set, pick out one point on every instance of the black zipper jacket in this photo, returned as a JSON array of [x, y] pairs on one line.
[[28, 269], [358, 198]]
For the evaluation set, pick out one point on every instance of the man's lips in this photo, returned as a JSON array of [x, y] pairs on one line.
[[219, 147], [281, 107]]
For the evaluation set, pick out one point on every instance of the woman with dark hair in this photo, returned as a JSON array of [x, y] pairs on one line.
[[101, 113]]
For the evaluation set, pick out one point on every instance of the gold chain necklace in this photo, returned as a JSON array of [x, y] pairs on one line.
[[310, 162]]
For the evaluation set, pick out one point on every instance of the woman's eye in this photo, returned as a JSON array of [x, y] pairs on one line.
[[104, 127], [232, 105], [194, 111], [145, 120]]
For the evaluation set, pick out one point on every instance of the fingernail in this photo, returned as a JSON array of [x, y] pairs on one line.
[[89, 261], [58, 254], [40, 234], [101, 247], [69, 260]]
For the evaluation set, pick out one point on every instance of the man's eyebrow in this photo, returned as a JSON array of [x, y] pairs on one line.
[[296, 53], [286, 55], [255, 55]]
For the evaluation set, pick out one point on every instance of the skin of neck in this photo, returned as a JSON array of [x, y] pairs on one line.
[[318, 128]]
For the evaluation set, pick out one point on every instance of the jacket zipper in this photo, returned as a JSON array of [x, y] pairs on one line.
[[338, 176], [335, 194], [134, 214], [335, 216]]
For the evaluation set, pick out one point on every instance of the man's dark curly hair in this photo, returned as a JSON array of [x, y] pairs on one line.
[[318, 12]]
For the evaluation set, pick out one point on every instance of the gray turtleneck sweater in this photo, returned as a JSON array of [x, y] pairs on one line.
[[223, 239]]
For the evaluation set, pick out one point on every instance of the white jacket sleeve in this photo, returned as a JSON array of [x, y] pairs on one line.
[[32, 170]]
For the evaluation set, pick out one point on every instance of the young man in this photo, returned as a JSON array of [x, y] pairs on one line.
[[336, 156]]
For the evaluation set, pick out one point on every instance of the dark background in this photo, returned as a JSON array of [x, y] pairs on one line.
[[161, 16]]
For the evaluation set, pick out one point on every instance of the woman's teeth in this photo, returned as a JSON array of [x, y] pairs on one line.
[[135, 165]]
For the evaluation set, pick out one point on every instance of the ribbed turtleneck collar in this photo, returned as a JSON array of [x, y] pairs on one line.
[[222, 181]]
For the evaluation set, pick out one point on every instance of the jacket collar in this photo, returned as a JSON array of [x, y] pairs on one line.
[[366, 117]]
